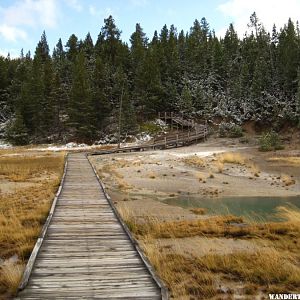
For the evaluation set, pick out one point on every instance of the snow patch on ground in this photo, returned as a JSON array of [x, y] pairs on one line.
[[143, 137], [163, 125], [198, 153], [5, 145], [68, 146]]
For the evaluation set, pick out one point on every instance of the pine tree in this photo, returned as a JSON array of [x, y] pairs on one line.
[[138, 48], [72, 48], [5, 106], [100, 99], [124, 106], [81, 113], [186, 101], [42, 84], [17, 132], [109, 41], [288, 62], [88, 47]]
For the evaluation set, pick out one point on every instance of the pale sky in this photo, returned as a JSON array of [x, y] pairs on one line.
[[23, 21]]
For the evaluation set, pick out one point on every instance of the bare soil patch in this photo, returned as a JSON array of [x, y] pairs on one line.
[[197, 256]]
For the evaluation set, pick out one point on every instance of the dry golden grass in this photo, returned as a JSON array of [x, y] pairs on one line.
[[198, 211], [182, 276], [287, 180], [231, 158], [23, 211], [188, 277], [291, 160], [11, 274], [118, 178], [25, 167], [194, 161], [238, 159], [219, 166], [266, 266]]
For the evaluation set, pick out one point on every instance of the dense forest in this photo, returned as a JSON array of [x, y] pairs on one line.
[[75, 92]]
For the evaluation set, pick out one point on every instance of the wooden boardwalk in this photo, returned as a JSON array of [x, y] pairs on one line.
[[86, 252], [167, 141]]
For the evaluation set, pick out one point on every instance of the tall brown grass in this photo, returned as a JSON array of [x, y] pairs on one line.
[[232, 158], [276, 264], [24, 210], [265, 266], [181, 274], [25, 167], [11, 274], [219, 166], [194, 161], [292, 160]]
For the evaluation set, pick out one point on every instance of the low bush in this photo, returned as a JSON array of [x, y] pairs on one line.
[[270, 141], [230, 130], [150, 128]]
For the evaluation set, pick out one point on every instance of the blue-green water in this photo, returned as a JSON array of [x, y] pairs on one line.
[[258, 208]]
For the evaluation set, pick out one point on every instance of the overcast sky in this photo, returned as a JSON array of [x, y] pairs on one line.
[[23, 21]]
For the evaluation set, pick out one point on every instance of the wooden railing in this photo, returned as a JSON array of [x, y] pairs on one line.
[[181, 137], [195, 133]]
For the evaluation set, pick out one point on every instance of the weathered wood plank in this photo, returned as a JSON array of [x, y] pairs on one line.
[[84, 251]]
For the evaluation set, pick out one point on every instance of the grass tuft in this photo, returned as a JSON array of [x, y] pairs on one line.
[[232, 158], [287, 180], [194, 161], [198, 211], [11, 275]]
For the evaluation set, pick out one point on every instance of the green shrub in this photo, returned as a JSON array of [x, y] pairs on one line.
[[270, 141], [230, 130], [150, 128], [235, 131]]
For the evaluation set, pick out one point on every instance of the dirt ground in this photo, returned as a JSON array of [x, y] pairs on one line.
[[139, 182], [140, 179]]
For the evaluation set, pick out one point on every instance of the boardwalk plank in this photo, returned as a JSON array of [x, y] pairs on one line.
[[85, 252]]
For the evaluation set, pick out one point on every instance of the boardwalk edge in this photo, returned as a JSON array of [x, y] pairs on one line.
[[38, 244], [161, 285]]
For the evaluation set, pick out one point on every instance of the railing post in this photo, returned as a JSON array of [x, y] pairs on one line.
[[177, 138], [165, 142], [165, 117]]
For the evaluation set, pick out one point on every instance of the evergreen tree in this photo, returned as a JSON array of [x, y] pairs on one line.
[[100, 95], [81, 113], [109, 42], [288, 58], [17, 132], [186, 101], [72, 48]]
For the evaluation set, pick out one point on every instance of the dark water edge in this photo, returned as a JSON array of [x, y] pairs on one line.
[[254, 208]]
